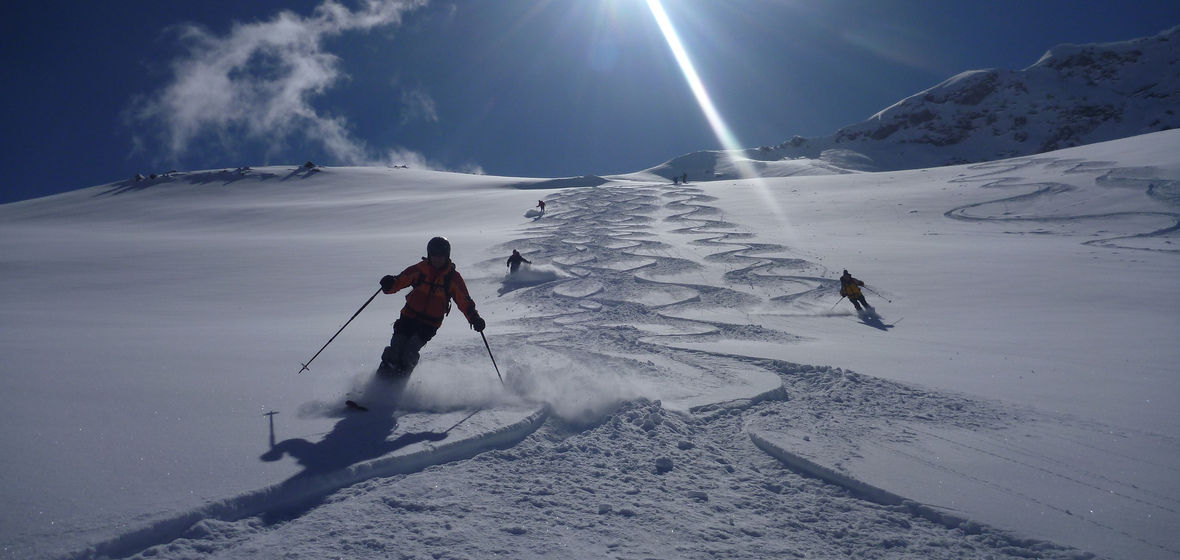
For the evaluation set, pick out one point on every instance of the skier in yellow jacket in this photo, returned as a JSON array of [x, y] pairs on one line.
[[435, 283], [850, 288]]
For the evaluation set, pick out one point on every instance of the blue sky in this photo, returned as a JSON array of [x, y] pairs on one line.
[[96, 92]]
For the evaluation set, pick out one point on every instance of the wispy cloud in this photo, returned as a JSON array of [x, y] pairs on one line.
[[399, 156], [257, 82], [417, 104]]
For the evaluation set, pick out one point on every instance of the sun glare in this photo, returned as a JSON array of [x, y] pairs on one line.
[[728, 141]]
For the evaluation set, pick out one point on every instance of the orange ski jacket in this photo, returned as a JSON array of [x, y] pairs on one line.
[[429, 300]]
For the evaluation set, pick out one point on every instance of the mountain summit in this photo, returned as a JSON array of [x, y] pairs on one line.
[[1074, 95]]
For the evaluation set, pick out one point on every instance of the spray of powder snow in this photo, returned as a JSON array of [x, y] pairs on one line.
[[438, 384], [532, 276], [577, 387], [529, 276], [575, 391], [578, 391]]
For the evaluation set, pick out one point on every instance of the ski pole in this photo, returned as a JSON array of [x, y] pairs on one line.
[[486, 345], [358, 312], [837, 303], [876, 294]]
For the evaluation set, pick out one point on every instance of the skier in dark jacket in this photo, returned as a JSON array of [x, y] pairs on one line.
[[850, 288], [435, 283], [514, 261]]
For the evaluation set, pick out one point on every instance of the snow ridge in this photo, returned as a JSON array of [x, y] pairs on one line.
[[805, 465], [302, 492]]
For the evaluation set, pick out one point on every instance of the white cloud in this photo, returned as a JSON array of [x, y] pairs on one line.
[[417, 104], [257, 82]]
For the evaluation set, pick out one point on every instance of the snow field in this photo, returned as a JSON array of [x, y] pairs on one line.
[[654, 367]]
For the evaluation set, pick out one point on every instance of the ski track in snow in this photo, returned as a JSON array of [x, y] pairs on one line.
[[1065, 200], [624, 475]]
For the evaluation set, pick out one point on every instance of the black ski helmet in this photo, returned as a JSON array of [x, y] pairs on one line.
[[438, 246]]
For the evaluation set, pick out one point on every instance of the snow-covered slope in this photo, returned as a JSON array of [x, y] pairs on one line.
[[1074, 95], [674, 359], [718, 165]]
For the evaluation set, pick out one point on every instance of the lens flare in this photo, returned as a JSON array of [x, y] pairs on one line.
[[728, 141]]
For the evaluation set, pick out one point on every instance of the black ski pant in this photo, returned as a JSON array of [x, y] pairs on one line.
[[409, 336], [858, 300]]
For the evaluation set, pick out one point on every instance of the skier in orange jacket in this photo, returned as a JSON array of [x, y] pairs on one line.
[[435, 283]]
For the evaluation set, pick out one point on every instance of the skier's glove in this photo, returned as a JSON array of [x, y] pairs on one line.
[[387, 282], [478, 323]]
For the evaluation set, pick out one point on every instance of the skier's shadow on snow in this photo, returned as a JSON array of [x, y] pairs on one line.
[[508, 286], [356, 438], [527, 277], [874, 320]]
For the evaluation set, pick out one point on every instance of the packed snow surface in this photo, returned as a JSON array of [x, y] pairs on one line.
[[680, 376]]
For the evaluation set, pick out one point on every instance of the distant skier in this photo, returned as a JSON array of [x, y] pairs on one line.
[[514, 261], [850, 288], [434, 283], [541, 205], [684, 178], [675, 180]]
